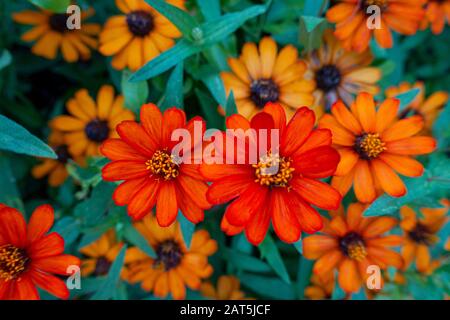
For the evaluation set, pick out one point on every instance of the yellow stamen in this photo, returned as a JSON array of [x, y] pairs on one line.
[[13, 261], [279, 178], [369, 145], [356, 251], [163, 164]]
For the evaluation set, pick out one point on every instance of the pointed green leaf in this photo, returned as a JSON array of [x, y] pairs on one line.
[[210, 9], [187, 229], [173, 96], [180, 18], [270, 252], [59, 6], [268, 286], [16, 138], [230, 107], [245, 262], [5, 59], [135, 93], [407, 97], [311, 30], [108, 287], [134, 237]]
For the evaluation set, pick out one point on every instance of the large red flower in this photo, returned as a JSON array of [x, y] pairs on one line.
[[285, 197], [142, 158], [29, 256]]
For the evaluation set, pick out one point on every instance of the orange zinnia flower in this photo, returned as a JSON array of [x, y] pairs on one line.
[[142, 156], [100, 254], [339, 74], [175, 265], [352, 20], [228, 288], [373, 143], [305, 156], [437, 13], [91, 122], [420, 235], [350, 243], [139, 35], [51, 32], [321, 287], [55, 168], [29, 256], [266, 75], [428, 108]]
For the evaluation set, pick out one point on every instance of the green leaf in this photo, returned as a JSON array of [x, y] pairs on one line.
[[91, 211], [314, 7], [218, 30], [173, 96], [303, 275], [187, 229], [5, 59], [210, 9], [215, 85], [108, 287], [9, 193], [135, 238], [268, 287], [180, 18], [135, 93], [270, 252], [166, 60], [407, 97], [311, 30], [299, 246], [58, 6], [245, 262], [68, 228], [230, 107], [16, 138]]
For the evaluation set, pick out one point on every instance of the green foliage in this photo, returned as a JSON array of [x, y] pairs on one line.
[[135, 93], [269, 251], [16, 138], [59, 6]]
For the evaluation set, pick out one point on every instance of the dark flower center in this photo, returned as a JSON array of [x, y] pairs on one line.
[[369, 146], [97, 130], [382, 4], [328, 78], [140, 23], [58, 22], [13, 262], [63, 153], [263, 91], [168, 255], [102, 266], [421, 234], [352, 245]]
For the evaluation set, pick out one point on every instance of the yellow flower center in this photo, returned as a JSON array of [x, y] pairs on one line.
[[13, 261], [163, 164], [273, 171], [369, 145], [352, 245]]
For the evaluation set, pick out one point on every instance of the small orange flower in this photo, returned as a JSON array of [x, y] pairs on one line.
[[29, 256], [139, 35], [373, 144], [420, 235], [351, 18], [350, 243], [142, 156], [55, 169], [262, 75], [339, 74], [175, 265], [91, 122], [101, 254], [428, 108], [228, 288], [51, 33], [437, 14], [321, 287], [286, 198]]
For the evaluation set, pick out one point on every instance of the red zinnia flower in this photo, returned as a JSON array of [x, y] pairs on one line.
[[29, 256], [305, 156], [142, 156]]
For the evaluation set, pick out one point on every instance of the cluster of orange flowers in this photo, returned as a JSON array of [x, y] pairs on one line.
[[359, 143]]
